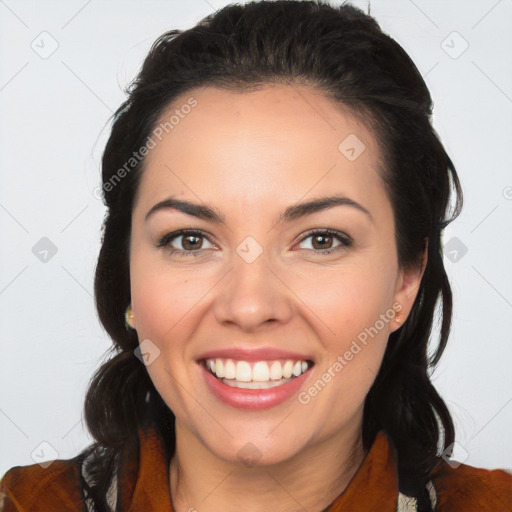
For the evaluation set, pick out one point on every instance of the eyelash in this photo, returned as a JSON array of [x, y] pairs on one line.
[[345, 240]]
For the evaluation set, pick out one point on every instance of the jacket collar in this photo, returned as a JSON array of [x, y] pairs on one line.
[[145, 485]]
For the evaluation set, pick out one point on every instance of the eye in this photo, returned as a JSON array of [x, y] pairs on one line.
[[322, 241], [191, 242]]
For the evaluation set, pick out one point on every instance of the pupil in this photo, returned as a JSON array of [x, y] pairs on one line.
[[319, 238], [193, 245]]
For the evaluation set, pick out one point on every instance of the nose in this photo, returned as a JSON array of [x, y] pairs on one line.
[[252, 296]]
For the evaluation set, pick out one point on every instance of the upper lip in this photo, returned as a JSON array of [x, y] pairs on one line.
[[256, 354]]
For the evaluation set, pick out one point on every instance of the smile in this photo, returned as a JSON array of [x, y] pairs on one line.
[[256, 375]]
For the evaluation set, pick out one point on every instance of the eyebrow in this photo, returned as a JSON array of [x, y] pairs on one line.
[[291, 213]]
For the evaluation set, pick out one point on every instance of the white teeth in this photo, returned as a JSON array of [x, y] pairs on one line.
[[287, 369], [260, 372], [272, 372], [229, 370], [276, 371], [254, 384], [219, 368], [243, 371]]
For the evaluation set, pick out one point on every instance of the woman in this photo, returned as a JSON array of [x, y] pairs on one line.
[[271, 349]]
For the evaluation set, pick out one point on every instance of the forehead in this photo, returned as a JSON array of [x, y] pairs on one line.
[[259, 146]]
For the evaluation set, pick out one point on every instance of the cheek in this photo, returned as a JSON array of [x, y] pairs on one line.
[[355, 304], [348, 299], [163, 304], [161, 299]]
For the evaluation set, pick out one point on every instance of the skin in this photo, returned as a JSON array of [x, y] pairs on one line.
[[251, 155]]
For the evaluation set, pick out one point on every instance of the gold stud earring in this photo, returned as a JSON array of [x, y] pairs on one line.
[[128, 316], [398, 320]]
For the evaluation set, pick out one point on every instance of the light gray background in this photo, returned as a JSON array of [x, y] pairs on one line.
[[54, 114]]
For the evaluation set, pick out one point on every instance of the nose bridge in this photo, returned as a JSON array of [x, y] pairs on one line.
[[252, 294]]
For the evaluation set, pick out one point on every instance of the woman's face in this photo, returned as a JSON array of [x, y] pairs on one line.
[[262, 283]]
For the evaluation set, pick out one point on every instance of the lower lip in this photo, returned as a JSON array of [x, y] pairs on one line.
[[253, 399]]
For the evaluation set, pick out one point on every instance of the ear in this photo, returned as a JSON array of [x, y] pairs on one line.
[[407, 286]]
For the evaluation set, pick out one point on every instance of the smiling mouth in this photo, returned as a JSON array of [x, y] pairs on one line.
[[256, 375]]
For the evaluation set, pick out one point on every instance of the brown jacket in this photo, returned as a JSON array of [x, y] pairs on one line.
[[144, 486]]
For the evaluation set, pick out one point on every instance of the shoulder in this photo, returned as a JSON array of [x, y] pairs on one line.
[[471, 489], [38, 488]]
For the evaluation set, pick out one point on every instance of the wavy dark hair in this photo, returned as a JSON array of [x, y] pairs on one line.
[[341, 51]]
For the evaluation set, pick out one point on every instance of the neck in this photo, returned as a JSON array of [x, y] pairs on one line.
[[309, 480]]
